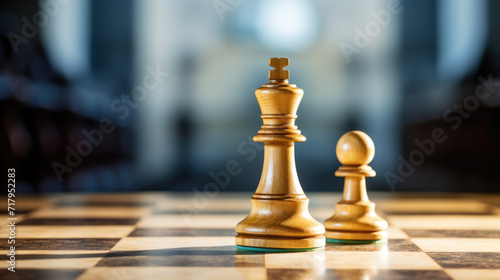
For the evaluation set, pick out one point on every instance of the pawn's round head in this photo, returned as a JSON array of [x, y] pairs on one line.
[[355, 148]]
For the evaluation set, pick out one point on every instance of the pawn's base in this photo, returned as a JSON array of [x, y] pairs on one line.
[[343, 241], [276, 250], [356, 235], [305, 243]]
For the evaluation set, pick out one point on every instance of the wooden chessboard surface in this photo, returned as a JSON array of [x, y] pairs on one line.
[[189, 236]]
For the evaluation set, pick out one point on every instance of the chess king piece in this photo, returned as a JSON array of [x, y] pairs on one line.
[[279, 219], [355, 220]]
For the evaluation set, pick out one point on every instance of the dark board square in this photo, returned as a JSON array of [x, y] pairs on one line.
[[416, 233], [80, 222], [296, 274], [319, 274], [202, 212], [61, 244], [392, 245], [54, 256], [183, 232], [486, 211], [80, 203], [178, 257], [40, 274], [386, 274], [473, 260]]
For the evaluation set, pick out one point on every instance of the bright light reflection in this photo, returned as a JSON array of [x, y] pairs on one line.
[[287, 25]]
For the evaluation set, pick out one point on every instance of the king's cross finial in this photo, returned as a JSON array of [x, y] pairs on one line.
[[278, 64]]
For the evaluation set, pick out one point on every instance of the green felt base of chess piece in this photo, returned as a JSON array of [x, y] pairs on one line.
[[343, 241], [276, 250]]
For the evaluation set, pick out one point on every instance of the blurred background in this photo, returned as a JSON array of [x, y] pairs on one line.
[[124, 95]]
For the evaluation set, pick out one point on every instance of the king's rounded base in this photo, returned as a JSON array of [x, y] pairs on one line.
[[305, 243], [356, 235]]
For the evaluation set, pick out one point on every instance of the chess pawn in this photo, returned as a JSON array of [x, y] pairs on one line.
[[355, 219], [279, 218]]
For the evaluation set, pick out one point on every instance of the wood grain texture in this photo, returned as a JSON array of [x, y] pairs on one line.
[[279, 216], [355, 217], [201, 246]]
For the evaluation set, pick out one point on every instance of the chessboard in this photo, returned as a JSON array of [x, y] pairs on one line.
[[191, 236]]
